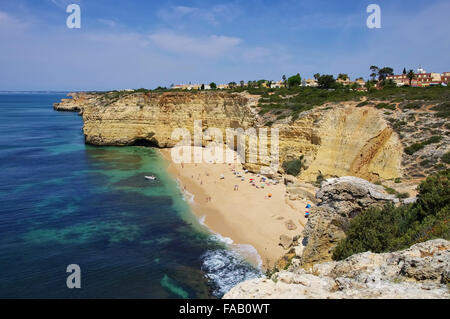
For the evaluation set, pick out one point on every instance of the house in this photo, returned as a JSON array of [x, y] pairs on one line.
[[266, 84], [188, 87], [311, 83], [223, 86], [277, 85], [360, 82], [344, 82], [399, 80], [422, 78], [445, 78], [427, 79]]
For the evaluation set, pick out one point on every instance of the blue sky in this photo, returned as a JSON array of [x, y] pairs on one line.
[[132, 44]]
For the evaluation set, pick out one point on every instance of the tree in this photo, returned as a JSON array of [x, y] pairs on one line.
[[404, 71], [384, 72], [261, 83], [242, 83], [326, 81], [389, 84], [343, 76], [213, 85], [251, 84], [284, 80], [295, 80], [202, 87], [411, 76], [374, 73], [232, 85], [317, 76]]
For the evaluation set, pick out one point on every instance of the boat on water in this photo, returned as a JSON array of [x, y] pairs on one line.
[[151, 178]]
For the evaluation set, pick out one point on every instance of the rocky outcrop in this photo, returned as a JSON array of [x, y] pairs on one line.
[[153, 117], [340, 199], [422, 271], [335, 139], [76, 103]]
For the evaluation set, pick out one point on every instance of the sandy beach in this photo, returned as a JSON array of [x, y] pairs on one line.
[[236, 209]]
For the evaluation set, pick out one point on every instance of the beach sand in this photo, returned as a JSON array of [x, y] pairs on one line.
[[246, 215]]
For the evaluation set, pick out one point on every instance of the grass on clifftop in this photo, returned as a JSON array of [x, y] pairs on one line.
[[293, 101], [395, 228]]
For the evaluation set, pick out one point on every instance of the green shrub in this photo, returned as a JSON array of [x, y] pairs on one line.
[[418, 146], [390, 190], [446, 158], [433, 140], [294, 167], [413, 106], [394, 228], [403, 195], [362, 104], [386, 106], [443, 110], [319, 179], [410, 150], [425, 163]]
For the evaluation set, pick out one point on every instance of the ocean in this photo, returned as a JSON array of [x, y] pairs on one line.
[[63, 202]]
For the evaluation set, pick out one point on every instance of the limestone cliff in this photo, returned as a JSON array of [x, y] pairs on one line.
[[421, 271], [336, 139], [340, 199]]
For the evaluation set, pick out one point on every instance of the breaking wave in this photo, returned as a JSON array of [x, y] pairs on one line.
[[226, 268]]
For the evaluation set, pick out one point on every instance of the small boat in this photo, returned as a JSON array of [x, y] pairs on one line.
[[151, 178]]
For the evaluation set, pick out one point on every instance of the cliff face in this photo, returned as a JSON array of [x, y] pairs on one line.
[[421, 271], [340, 140], [336, 139], [153, 117]]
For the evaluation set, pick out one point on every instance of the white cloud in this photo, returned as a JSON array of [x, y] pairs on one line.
[[108, 22], [210, 46], [62, 3], [213, 15], [10, 25]]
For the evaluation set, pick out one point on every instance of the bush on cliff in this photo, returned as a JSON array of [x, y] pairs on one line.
[[293, 167], [395, 228]]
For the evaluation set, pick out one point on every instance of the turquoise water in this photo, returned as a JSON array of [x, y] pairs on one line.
[[63, 202]]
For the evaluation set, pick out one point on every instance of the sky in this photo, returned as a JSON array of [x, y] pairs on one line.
[[125, 44]]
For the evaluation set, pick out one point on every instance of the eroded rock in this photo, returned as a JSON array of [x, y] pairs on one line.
[[420, 271]]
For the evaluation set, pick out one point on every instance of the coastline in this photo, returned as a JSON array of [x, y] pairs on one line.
[[247, 216]]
